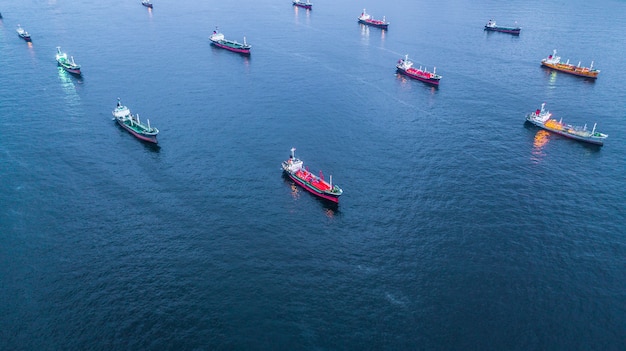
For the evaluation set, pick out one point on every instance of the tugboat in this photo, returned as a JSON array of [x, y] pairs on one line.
[[305, 4], [541, 118], [68, 65], [133, 125], [293, 167], [554, 62], [22, 33], [146, 3], [218, 40], [491, 26], [370, 21], [405, 66]]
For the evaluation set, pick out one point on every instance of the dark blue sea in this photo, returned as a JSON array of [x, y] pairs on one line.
[[460, 227]]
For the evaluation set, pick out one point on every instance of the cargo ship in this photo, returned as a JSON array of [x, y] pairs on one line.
[[405, 66], [541, 118], [491, 26], [218, 40], [133, 125], [22, 33], [317, 186], [554, 62], [370, 21], [68, 65]]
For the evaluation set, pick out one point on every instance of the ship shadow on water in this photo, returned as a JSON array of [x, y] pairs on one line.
[[492, 32], [151, 147], [331, 208]]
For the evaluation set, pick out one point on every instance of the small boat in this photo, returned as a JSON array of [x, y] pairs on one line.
[[305, 4], [133, 125], [293, 167], [554, 62], [370, 21], [22, 33], [491, 26], [405, 66], [541, 118], [218, 40], [146, 3], [68, 65]]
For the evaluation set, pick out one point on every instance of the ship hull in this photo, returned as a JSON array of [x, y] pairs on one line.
[[148, 138], [590, 140], [374, 24], [147, 5], [25, 37], [304, 6], [434, 82], [308, 187], [590, 74], [244, 51], [514, 31], [71, 70]]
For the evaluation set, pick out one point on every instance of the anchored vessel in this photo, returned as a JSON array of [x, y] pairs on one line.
[[554, 62], [146, 3], [68, 65], [491, 26], [133, 125], [541, 118], [217, 39], [405, 66], [293, 167], [306, 4], [370, 21], [22, 33]]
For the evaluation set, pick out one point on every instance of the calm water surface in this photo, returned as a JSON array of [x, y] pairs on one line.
[[460, 227]]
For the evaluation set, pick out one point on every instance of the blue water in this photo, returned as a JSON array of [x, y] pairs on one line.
[[460, 227]]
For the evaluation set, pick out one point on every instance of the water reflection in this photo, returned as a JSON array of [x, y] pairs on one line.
[[296, 11], [68, 84], [553, 74], [365, 30], [541, 139]]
